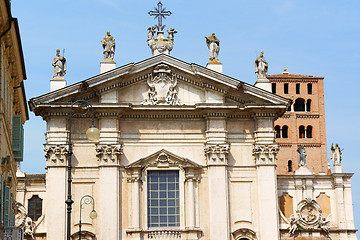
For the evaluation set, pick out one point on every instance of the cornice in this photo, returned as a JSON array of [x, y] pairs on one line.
[[307, 115]]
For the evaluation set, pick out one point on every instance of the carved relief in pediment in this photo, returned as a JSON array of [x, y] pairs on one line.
[[162, 83]]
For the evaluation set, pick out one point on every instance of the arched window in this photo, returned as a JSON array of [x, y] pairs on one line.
[[309, 131], [299, 105], [301, 132], [277, 130], [35, 207], [309, 88], [290, 168], [284, 131], [308, 105]]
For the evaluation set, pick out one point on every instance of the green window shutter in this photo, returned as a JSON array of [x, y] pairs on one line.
[[17, 138], [7, 207], [2, 195]]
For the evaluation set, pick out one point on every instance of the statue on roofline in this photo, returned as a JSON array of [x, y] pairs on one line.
[[336, 154], [261, 66], [213, 44], [108, 44], [59, 64], [302, 156]]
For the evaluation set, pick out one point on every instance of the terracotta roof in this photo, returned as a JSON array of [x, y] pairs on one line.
[[286, 75]]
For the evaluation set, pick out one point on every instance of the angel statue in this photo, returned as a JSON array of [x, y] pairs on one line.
[[108, 44], [213, 44]]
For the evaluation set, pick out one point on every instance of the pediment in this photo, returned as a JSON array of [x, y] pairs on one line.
[[161, 80], [163, 159]]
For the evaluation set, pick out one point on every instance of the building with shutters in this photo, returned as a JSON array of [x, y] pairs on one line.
[[13, 114]]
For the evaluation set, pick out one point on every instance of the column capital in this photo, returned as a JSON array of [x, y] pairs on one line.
[[265, 154], [56, 154], [216, 153], [109, 154]]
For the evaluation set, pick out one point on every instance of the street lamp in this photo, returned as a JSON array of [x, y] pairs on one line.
[[87, 199], [93, 134]]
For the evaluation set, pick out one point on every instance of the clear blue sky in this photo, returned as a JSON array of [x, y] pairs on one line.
[[319, 38]]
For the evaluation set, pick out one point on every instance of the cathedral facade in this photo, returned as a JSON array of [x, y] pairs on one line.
[[184, 152]]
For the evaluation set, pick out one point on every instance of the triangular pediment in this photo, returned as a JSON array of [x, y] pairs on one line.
[[185, 84], [163, 159]]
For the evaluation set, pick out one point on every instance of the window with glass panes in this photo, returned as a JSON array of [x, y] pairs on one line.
[[35, 207], [163, 198]]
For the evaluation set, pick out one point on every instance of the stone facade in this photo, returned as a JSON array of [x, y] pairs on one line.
[[184, 153]]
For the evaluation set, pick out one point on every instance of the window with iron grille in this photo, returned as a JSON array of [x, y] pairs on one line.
[[35, 207], [163, 198]]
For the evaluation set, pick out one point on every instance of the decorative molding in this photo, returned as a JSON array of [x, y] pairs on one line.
[[216, 154], [294, 80], [265, 154], [56, 154], [264, 114], [164, 116], [162, 87], [108, 153], [307, 116], [120, 84], [244, 233]]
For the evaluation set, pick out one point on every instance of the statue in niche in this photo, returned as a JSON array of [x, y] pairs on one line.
[[302, 156], [336, 154], [108, 44], [213, 44], [261, 66], [59, 64]]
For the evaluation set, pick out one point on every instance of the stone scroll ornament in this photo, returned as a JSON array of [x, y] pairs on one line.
[[162, 85], [308, 215]]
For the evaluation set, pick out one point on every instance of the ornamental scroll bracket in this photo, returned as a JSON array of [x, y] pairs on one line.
[[162, 85]]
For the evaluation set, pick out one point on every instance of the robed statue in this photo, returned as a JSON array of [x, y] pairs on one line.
[[261, 66], [213, 44], [302, 156], [59, 64], [108, 44]]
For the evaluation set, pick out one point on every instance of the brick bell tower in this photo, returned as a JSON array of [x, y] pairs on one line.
[[303, 124]]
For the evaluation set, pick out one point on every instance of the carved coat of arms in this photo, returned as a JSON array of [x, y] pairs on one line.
[[162, 86], [309, 216]]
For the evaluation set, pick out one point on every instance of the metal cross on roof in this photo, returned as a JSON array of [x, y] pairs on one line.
[[159, 13]]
